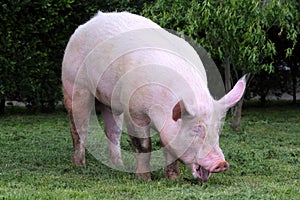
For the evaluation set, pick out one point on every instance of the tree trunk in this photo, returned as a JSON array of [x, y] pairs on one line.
[[236, 115], [294, 80], [228, 82], [236, 111], [2, 106], [263, 100]]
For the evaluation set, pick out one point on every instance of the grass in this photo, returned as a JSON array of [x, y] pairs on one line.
[[36, 151]]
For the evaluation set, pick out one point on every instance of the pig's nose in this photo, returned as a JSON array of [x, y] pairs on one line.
[[220, 167]]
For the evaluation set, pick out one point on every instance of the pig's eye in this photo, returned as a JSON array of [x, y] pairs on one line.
[[198, 130]]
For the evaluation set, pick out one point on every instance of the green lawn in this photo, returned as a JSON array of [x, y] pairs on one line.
[[36, 150]]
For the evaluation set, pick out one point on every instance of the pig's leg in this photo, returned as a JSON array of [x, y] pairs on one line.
[[113, 131], [142, 149], [141, 144], [79, 107], [171, 168]]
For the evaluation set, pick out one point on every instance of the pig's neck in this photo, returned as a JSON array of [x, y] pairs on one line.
[[168, 131]]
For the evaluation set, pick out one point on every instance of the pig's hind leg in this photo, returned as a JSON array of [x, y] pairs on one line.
[[113, 131], [79, 105]]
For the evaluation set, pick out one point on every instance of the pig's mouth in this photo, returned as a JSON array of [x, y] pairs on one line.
[[200, 172]]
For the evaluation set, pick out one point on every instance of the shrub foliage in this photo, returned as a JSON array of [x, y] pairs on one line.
[[33, 36]]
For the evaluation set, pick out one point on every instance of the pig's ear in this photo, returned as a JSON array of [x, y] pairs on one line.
[[235, 94], [179, 109]]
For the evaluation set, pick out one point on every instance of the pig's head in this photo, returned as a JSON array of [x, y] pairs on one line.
[[196, 139]]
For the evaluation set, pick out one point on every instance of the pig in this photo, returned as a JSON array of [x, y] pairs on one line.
[[132, 70]]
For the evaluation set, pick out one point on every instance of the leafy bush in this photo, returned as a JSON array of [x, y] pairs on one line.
[[33, 36]]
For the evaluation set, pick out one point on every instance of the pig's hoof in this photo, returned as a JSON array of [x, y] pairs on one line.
[[117, 162], [78, 162], [172, 171], [144, 176], [172, 174]]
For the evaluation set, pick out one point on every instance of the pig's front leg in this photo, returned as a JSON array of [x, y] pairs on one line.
[[142, 148], [171, 168], [141, 144]]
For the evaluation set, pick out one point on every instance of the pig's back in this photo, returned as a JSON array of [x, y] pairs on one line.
[[100, 28], [112, 24], [108, 25]]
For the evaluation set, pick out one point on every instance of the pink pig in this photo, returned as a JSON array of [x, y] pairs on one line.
[[132, 69]]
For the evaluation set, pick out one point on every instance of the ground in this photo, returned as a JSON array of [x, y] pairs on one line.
[[264, 157]]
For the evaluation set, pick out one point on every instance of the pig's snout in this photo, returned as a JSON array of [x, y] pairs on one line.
[[220, 167]]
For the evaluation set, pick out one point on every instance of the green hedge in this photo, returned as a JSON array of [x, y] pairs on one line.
[[33, 38]]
